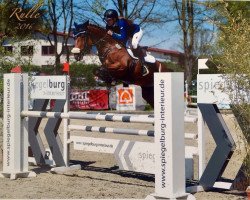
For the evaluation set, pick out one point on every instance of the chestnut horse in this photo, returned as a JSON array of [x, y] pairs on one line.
[[115, 58]]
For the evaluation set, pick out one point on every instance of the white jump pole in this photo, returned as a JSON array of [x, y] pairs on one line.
[[201, 143], [66, 121], [201, 123]]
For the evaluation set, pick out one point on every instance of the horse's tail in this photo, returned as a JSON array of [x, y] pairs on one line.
[[162, 67]]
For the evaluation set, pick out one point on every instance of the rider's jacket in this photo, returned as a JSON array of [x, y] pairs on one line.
[[123, 30]]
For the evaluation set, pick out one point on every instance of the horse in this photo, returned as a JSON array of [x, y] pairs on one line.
[[115, 58]]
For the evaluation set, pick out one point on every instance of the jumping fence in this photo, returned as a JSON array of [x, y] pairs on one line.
[[20, 126]]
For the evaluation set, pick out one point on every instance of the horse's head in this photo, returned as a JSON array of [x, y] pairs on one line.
[[82, 40]]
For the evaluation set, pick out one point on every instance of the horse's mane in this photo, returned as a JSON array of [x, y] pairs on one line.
[[102, 29]]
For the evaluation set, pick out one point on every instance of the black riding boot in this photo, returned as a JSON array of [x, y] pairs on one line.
[[144, 69], [139, 52]]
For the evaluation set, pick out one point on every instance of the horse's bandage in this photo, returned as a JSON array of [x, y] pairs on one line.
[[75, 50]]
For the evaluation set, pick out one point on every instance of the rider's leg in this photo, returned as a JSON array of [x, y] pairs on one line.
[[136, 39], [139, 51]]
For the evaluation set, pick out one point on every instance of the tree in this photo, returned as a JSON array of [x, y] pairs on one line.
[[145, 13], [151, 13], [197, 35], [60, 16], [233, 56], [185, 14], [17, 24], [12, 24], [203, 42]]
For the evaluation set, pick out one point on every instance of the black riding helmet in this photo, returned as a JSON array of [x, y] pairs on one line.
[[109, 14]]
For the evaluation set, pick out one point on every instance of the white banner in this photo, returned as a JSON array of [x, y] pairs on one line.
[[211, 88], [48, 87]]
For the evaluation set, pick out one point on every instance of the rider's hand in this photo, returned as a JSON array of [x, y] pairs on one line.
[[110, 32]]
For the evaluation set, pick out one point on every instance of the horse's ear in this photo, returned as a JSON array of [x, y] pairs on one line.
[[85, 24], [74, 32]]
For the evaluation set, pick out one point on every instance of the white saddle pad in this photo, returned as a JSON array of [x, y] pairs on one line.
[[148, 58]]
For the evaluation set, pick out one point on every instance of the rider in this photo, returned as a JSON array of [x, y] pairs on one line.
[[125, 31]]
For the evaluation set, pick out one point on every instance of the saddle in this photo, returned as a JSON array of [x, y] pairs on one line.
[[141, 53]]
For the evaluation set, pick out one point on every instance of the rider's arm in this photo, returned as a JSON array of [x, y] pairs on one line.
[[123, 31]]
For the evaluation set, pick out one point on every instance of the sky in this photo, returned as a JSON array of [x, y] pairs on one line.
[[166, 37]]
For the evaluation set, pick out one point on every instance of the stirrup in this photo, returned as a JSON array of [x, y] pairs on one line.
[[145, 70]]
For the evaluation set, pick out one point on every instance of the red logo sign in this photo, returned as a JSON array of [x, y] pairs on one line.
[[125, 96]]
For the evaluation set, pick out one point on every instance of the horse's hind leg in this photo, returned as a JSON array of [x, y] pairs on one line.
[[148, 95], [162, 67], [103, 74]]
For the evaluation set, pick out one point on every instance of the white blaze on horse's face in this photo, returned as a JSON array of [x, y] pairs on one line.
[[75, 50]]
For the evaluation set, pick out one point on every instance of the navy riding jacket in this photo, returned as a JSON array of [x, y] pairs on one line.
[[122, 30]]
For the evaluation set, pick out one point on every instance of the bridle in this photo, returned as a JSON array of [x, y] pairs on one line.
[[86, 36], [85, 48]]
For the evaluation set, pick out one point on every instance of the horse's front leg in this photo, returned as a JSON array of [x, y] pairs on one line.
[[116, 70], [103, 73], [114, 66]]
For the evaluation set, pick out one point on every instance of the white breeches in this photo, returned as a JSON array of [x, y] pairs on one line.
[[136, 39], [133, 44]]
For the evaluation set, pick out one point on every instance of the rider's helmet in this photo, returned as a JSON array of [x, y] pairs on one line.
[[110, 14]]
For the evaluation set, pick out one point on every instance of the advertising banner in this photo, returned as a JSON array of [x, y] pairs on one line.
[[129, 98], [211, 88], [89, 100], [48, 87]]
